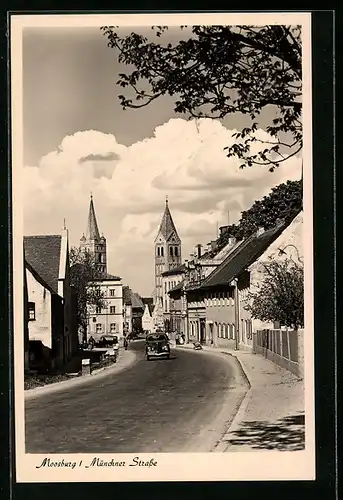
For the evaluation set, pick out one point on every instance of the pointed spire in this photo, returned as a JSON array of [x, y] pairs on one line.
[[167, 224], [92, 232]]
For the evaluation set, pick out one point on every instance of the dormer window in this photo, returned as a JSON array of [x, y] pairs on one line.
[[176, 251], [158, 251], [161, 251], [171, 251]]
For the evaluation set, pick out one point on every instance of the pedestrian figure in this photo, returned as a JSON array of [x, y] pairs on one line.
[[125, 343], [91, 342]]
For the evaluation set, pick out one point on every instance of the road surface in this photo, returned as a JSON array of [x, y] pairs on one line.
[[177, 405]]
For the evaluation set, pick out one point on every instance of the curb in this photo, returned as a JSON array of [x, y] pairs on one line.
[[96, 375], [223, 446]]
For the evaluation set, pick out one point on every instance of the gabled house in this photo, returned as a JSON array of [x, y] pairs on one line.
[[51, 302], [137, 312], [127, 310], [147, 318]]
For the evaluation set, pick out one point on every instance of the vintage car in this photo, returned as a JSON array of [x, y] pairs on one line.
[[108, 341], [157, 346]]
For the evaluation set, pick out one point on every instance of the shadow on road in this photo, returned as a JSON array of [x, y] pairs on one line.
[[286, 434]]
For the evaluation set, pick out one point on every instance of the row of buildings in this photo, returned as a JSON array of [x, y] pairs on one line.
[[51, 330], [205, 297]]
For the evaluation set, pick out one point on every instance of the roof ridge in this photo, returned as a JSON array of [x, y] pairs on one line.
[[231, 255], [43, 236]]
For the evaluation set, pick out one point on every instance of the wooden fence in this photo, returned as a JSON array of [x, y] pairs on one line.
[[283, 347]]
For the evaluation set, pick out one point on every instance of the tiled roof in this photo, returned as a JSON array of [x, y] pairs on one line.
[[92, 231], [136, 301], [167, 226], [109, 277], [127, 295], [38, 277], [42, 253], [178, 287], [243, 256]]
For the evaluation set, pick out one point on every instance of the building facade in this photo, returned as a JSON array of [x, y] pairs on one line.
[[107, 320], [172, 314], [147, 318], [51, 301], [216, 304], [127, 310], [93, 242]]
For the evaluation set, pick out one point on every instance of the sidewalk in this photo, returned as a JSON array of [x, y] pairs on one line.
[[125, 360], [271, 416]]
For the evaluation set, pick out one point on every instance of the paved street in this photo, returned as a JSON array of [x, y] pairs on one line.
[[176, 405]]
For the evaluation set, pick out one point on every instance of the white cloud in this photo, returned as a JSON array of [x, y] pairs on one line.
[[183, 159]]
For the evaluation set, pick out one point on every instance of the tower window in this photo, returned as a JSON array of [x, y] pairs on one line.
[[99, 257], [161, 251], [176, 251], [32, 311], [158, 251], [171, 251]]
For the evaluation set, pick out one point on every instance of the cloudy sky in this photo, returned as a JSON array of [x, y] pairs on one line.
[[78, 140]]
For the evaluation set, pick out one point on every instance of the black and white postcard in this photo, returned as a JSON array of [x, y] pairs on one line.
[[162, 247]]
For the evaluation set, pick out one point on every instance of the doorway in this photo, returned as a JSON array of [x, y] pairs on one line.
[[202, 331]]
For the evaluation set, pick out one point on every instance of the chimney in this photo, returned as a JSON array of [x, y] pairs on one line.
[[223, 230], [198, 247], [213, 245]]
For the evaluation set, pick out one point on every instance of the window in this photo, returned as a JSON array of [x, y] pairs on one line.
[[171, 251], [176, 251], [98, 328], [99, 257], [98, 310], [158, 251], [112, 309], [32, 311], [112, 327], [112, 292], [161, 251]]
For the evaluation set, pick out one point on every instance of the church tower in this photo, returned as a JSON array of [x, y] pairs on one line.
[[92, 240], [167, 250]]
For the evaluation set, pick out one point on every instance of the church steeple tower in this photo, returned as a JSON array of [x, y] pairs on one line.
[[92, 241], [167, 249]]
